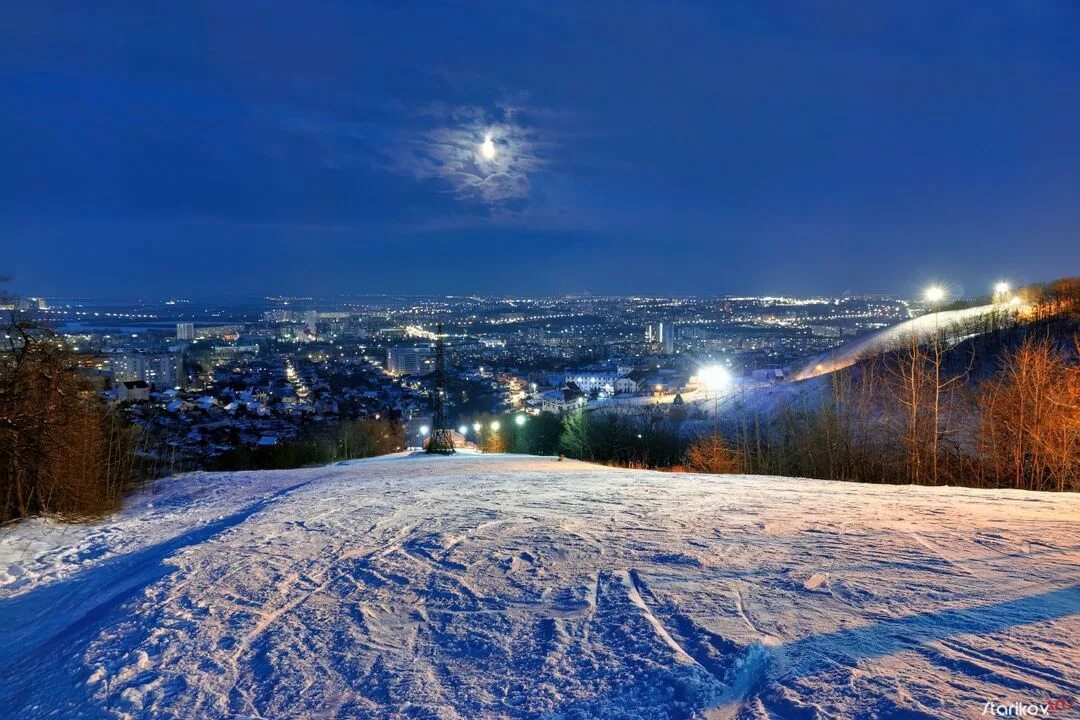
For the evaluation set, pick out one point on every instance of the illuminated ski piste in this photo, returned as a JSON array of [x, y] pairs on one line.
[[508, 586]]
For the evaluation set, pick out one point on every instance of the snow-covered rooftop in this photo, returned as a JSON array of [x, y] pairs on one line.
[[507, 586]]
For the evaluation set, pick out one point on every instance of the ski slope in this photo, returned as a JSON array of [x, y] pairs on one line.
[[923, 328], [517, 587]]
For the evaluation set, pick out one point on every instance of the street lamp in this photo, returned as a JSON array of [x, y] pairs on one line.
[[462, 430], [519, 420], [934, 294], [495, 426]]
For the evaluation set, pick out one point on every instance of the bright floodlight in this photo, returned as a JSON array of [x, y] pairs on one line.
[[520, 420], [423, 429], [495, 425], [487, 149], [934, 294], [462, 430], [714, 377], [476, 426], [1002, 288]]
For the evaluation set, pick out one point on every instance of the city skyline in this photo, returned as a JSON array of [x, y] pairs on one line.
[[537, 150]]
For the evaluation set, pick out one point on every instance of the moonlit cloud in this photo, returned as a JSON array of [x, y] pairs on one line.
[[450, 152]]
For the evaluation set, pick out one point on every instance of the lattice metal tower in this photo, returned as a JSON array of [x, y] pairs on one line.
[[442, 437]]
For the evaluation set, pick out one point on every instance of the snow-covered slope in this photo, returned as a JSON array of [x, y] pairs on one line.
[[923, 327], [503, 586]]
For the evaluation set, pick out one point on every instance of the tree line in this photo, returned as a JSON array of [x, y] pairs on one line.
[[903, 418], [342, 440], [62, 451], [986, 407]]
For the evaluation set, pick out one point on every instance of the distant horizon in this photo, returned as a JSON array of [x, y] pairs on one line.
[[315, 299], [954, 292]]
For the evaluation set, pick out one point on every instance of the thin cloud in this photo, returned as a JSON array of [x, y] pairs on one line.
[[451, 153]]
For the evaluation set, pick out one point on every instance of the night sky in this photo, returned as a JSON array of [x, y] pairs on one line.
[[205, 149]]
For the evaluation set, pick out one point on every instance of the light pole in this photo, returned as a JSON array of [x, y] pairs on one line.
[[935, 294], [477, 427]]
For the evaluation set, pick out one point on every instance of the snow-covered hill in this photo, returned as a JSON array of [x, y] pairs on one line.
[[503, 586], [924, 327]]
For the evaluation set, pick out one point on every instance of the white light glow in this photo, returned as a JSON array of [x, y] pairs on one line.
[[520, 420], [423, 429], [462, 430], [934, 294], [495, 425], [1002, 288], [487, 148], [714, 377], [476, 427]]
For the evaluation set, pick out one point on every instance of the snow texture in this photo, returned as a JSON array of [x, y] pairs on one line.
[[508, 586]]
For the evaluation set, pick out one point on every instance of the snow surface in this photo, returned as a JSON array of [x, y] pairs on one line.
[[509, 586], [923, 328]]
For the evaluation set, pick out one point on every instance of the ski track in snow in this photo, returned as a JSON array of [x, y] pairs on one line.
[[509, 586]]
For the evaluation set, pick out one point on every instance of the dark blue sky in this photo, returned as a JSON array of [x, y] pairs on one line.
[[206, 148]]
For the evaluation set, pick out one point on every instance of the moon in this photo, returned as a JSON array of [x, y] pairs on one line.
[[487, 149]]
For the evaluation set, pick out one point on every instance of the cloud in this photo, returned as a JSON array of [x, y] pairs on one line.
[[448, 151]]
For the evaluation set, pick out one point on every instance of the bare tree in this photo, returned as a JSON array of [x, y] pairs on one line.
[[61, 450], [1029, 435], [710, 454]]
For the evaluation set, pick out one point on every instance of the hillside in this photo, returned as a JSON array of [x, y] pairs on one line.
[[509, 586], [954, 323]]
